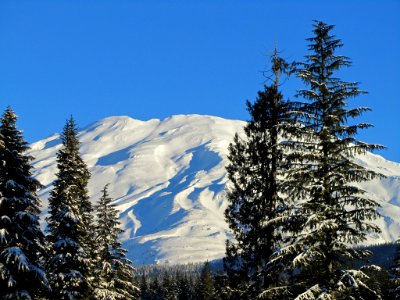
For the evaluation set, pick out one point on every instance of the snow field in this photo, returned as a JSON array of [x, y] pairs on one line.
[[168, 179]]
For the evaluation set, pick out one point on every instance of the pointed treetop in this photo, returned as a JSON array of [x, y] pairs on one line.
[[70, 133], [104, 191], [322, 39], [321, 29], [9, 116], [9, 132]]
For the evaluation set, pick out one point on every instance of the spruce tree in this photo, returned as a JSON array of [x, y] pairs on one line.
[[156, 291], [168, 288], [114, 270], [335, 212], [395, 273], [144, 287], [255, 192], [185, 287], [70, 265], [205, 287], [21, 239]]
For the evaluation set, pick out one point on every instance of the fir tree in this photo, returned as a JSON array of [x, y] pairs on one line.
[[395, 273], [156, 289], [254, 196], [185, 287], [114, 271], [70, 265], [205, 287], [21, 239], [168, 288], [335, 211], [144, 288]]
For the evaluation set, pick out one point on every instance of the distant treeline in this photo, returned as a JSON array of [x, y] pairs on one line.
[[209, 281]]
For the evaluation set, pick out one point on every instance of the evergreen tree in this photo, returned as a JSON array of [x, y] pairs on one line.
[[185, 287], [205, 287], [395, 273], [168, 287], [335, 212], [222, 289], [70, 265], [156, 289], [144, 288], [114, 271], [255, 195], [21, 239]]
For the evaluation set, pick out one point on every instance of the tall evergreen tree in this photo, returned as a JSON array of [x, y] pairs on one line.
[[70, 223], [255, 199], [114, 271], [21, 239], [335, 211]]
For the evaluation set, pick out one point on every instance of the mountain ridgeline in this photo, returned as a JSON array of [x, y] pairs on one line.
[[168, 180]]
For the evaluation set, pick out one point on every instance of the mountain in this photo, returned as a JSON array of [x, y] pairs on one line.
[[168, 179]]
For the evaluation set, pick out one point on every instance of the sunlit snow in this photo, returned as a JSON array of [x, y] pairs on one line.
[[168, 178]]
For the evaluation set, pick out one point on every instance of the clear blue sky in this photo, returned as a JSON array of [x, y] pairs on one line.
[[152, 59]]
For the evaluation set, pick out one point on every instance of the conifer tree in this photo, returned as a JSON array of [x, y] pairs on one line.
[[114, 271], [144, 288], [205, 287], [156, 291], [168, 288], [21, 239], [395, 273], [336, 213], [185, 287], [70, 265], [254, 196]]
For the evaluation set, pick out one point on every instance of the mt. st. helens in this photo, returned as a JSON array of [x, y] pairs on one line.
[[168, 178]]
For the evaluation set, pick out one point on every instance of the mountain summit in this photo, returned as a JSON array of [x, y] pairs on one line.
[[168, 179]]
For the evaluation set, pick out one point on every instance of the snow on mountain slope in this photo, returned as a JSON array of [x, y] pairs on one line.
[[168, 178]]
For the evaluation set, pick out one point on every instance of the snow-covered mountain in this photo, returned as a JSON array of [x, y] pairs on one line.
[[168, 178]]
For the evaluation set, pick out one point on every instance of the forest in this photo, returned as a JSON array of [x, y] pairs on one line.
[[296, 213]]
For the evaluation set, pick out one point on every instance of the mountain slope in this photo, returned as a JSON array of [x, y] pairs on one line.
[[168, 179]]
